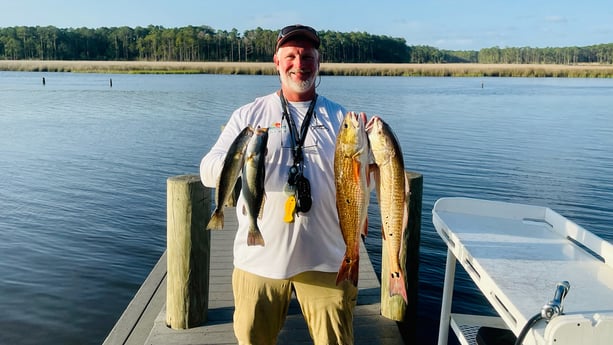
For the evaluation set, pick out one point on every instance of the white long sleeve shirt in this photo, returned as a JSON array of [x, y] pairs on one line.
[[314, 240]]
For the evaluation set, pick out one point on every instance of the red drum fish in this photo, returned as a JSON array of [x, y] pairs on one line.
[[351, 158], [392, 188]]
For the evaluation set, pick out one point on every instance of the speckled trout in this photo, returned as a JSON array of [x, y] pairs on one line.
[[391, 187], [253, 183], [230, 171], [351, 159]]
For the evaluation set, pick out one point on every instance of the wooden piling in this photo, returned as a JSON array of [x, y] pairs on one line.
[[188, 251], [394, 307]]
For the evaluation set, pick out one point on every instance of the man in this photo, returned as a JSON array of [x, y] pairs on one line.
[[303, 246]]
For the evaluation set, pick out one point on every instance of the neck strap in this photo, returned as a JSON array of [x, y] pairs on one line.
[[297, 138]]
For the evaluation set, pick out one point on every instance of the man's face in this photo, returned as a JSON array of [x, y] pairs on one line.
[[298, 65]]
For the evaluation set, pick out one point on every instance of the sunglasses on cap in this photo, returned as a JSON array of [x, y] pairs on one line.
[[298, 30]]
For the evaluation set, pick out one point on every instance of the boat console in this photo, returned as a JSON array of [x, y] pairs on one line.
[[549, 280]]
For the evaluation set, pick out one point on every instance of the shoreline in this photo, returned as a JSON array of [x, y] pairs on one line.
[[333, 69]]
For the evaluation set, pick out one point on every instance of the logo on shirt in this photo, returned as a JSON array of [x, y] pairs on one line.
[[275, 127]]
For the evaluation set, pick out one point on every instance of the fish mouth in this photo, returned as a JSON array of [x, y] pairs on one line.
[[363, 117], [371, 122], [356, 120]]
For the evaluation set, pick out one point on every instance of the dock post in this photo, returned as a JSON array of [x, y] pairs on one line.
[[188, 251], [394, 307]]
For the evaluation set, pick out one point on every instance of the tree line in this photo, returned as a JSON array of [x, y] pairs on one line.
[[190, 43], [601, 54], [203, 43]]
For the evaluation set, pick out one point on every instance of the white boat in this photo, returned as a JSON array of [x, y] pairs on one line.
[[549, 280]]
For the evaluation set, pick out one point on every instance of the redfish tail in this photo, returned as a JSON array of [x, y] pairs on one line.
[[254, 238], [349, 270], [216, 221], [397, 285]]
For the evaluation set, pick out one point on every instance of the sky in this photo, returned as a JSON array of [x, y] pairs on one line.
[[444, 24]]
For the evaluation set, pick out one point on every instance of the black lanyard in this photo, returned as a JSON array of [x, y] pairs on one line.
[[297, 139]]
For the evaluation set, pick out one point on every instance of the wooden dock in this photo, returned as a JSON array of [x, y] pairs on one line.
[[144, 320]]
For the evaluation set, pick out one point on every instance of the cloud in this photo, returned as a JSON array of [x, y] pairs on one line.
[[556, 19]]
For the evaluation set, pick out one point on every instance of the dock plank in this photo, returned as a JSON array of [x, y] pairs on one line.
[[144, 320]]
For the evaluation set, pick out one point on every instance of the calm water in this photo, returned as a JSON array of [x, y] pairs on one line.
[[83, 175]]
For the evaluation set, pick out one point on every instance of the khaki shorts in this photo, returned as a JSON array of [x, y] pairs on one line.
[[261, 306]]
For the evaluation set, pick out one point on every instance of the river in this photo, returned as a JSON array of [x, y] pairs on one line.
[[84, 168]]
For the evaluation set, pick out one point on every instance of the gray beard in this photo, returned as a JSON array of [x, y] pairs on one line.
[[299, 87]]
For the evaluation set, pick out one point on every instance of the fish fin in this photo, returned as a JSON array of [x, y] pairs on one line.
[[349, 270], [233, 196], [405, 213], [407, 190], [368, 177], [254, 238], [397, 285], [356, 165], [405, 223], [261, 213], [216, 221], [377, 177], [364, 230], [373, 176]]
